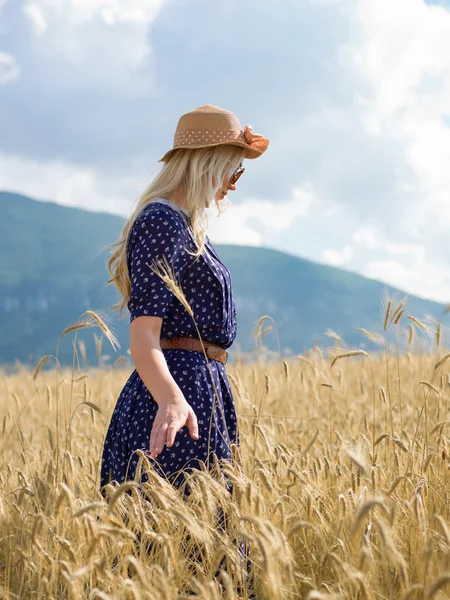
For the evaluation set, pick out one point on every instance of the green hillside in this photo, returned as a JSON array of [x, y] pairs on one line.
[[52, 269]]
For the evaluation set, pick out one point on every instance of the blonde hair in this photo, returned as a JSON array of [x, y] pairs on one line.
[[201, 171]]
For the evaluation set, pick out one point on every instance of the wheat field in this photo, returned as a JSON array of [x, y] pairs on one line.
[[341, 484]]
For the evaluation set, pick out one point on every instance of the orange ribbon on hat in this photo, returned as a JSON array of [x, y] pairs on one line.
[[255, 140]]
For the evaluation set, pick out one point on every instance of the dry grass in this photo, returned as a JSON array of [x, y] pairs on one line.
[[341, 485]]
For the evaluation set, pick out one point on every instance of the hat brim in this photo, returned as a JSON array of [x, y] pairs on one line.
[[250, 153]]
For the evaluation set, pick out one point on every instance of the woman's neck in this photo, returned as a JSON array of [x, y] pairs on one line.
[[178, 196]]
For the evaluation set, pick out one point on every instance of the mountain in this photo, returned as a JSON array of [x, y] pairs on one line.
[[53, 268]]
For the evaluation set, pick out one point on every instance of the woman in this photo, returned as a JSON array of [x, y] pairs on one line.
[[171, 386], [174, 384]]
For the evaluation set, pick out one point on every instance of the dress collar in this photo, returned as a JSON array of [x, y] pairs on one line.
[[173, 205]]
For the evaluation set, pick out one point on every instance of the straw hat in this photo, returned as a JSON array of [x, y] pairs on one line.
[[209, 125]]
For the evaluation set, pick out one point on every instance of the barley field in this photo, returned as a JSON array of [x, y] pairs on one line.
[[341, 484]]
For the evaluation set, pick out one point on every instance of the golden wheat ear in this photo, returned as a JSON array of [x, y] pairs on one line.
[[163, 269], [94, 318]]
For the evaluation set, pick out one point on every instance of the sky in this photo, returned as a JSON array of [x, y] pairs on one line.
[[354, 96]]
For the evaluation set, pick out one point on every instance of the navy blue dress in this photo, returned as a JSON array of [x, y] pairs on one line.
[[161, 230]]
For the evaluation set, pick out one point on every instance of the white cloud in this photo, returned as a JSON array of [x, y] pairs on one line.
[[303, 198], [370, 237], [34, 12], [238, 224], [104, 33], [9, 69], [338, 258], [404, 53], [366, 236], [110, 11], [406, 265], [234, 227], [426, 280], [68, 184]]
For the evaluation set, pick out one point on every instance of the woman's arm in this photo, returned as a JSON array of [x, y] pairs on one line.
[[149, 359], [173, 410]]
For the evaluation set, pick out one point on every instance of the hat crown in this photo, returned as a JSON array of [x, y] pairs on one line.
[[208, 116]]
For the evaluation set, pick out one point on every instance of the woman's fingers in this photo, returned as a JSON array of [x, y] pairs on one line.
[[192, 423], [160, 440], [172, 430], [153, 437], [167, 424], [156, 434]]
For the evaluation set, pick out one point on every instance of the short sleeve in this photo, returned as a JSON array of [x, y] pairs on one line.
[[157, 234]]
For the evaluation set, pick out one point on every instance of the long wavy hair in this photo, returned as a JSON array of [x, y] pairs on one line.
[[201, 171]]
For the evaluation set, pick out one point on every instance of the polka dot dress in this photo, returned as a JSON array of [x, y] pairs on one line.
[[163, 230]]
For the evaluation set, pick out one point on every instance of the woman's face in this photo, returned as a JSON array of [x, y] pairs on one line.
[[226, 186]]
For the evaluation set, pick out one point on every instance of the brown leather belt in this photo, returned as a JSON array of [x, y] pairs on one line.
[[189, 343]]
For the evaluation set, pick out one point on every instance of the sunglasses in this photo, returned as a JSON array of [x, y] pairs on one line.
[[235, 176]]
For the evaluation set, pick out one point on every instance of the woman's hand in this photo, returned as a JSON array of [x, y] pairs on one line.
[[169, 419]]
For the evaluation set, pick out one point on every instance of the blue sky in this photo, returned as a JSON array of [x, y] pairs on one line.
[[353, 95]]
